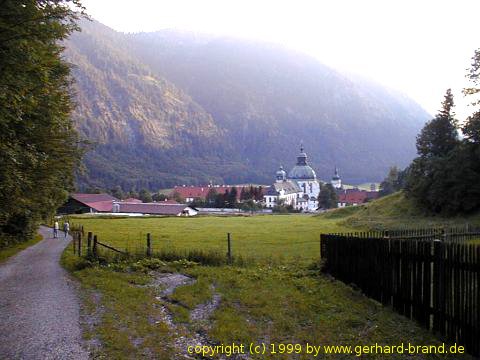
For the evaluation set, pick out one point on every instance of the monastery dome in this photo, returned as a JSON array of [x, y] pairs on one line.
[[302, 171]]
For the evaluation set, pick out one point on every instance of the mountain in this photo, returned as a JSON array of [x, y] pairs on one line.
[[172, 107]]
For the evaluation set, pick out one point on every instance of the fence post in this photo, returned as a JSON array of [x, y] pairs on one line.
[[94, 250], [89, 243], [229, 253], [79, 246], [149, 245], [74, 243], [83, 232]]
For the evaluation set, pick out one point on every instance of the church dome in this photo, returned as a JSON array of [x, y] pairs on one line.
[[302, 171]]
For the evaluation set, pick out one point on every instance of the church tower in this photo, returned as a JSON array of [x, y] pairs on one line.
[[281, 175], [336, 180]]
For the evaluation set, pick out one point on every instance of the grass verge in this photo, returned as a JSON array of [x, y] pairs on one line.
[[271, 303], [9, 251]]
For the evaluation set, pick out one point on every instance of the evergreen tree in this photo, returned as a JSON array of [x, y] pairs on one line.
[[211, 197], [118, 192], [327, 199], [427, 183], [232, 197], [440, 135], [39, 147], [145, 196], [392, 183]]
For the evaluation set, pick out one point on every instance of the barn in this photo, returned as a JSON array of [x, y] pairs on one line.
[[87, 203]]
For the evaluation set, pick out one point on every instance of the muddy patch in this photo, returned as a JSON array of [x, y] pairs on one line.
[[186, 336]]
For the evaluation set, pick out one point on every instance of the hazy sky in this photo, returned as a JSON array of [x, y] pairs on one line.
[[421, 47]]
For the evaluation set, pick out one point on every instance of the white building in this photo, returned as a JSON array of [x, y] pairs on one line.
[[300, 189]]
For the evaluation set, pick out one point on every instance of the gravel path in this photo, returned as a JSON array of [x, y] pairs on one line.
[[39, 309]]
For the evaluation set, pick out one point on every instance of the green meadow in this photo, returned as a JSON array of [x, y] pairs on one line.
[[283, 298], [263, 236]]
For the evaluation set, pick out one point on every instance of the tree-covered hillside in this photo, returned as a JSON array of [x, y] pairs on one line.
[[170, 108]]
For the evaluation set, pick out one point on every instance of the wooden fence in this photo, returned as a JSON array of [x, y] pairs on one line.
[[89, 246], [449, 234], [434, 282]]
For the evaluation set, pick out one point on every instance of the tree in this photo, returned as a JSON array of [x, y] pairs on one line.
[[211, 197], [231, 197], [117, 192], [145, 196], [178, 197], [159, 197], [395, 181], [327, 199], [440, 135], [39, 147], [427, 183]]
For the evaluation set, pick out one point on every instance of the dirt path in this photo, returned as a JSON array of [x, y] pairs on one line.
[[39, 310]]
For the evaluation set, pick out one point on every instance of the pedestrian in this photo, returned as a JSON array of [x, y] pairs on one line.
[[66, 228], [55, 229]]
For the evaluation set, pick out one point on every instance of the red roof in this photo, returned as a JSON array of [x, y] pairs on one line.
[[353, 197], [158, 208], [98, 202]]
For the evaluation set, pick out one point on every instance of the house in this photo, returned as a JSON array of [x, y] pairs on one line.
[[353, 197], [87, 203], [153, 208]]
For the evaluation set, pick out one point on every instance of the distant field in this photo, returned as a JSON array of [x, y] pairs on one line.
[[287, 236]]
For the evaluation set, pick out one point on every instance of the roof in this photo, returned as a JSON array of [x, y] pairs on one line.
[[98, 202], [290, 187], [84, 198], [151, 208], [355, 196], [302, 172]]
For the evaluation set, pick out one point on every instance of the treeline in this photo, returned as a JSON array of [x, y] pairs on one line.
[[445, 177], [39, 147], [248, 199]]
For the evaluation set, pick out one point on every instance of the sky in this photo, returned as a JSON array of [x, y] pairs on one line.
[[420, 47]]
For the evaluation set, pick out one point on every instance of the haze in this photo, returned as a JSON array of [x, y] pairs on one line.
[[418, 47]]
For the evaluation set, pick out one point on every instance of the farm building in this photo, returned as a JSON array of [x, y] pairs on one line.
[[352, 197], [154, 208], [87, 203]]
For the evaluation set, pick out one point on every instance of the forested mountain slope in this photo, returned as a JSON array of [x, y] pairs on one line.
[[170, 107]]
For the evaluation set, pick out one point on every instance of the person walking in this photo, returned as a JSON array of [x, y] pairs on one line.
[[66, 228], [55, 229]]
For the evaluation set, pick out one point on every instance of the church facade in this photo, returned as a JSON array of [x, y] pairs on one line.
[[300, 188]]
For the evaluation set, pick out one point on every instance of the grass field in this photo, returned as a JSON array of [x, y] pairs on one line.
[[264, 236], [288, 301], [275, 304]]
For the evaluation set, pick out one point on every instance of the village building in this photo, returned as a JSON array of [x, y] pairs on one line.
[[104, 203], [300, 189], [354, 197], [87, 203], [154, 208]]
